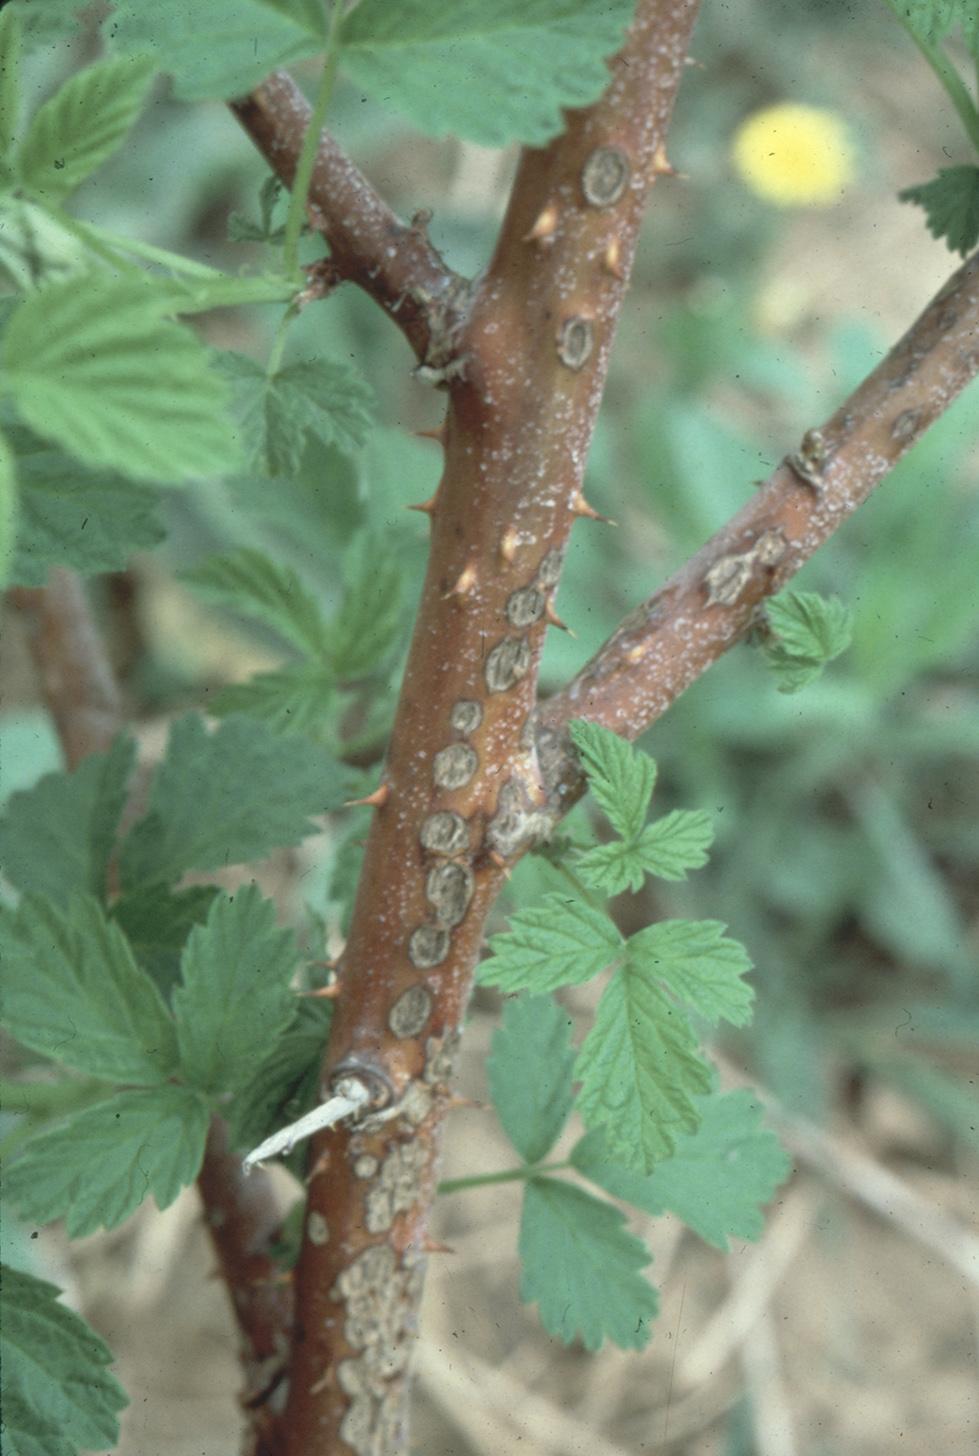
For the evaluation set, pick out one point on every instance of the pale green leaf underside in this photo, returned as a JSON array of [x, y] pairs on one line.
[[234, 998], [58, 1395], [492, 73], [718, 1179], [530, 1067], [96, 1168], [295, 699], [698, 964], [809, 631], [582, 1267], [56, 837], [620, 777], [560, 942], [73, 992], [91, 365], [212, 48], [82, 125], [640, 1070], [668, 848], [89, 520]]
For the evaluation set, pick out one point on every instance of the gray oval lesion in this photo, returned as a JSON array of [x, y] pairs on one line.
[[444, 832], [507, 663], [453, 767], [428, 946]]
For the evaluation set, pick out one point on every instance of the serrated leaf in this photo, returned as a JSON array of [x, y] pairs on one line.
[[560, 942], [492, 74], [296, 699], [809, 625], [717, 1180], [11, 46], [211, 802], [640, 1071], [157, 921], [582, 1267], [621, 777], [678, 842], [212, 48], [370, 621], [698, 964], [94, 1169], [35, 246], [73, 992], [612, 868], [529, 1070], [951, 204], [91, 365], [9, 512], [58, 1395], [233, 1000], [250, 582], [286, 1084], [80, 127], [88, 520], [56, 837], [277, 412]]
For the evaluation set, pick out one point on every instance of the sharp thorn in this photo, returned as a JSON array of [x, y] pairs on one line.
[[432, 1246], [497, 859], [428, 506], [545, 227], [661, 167], [612, 259], [466, 583], [324, 993], [551, 616], [376, 800], [580, 507], [509, 542], [438, 434]]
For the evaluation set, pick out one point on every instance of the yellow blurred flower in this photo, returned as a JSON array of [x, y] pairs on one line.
[[794, 155]]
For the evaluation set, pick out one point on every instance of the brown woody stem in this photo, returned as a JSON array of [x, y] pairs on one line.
[[82, 695], [392, 261], [706, 606], [464, 797]]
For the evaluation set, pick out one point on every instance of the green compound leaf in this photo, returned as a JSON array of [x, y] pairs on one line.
[[250, 582], [621, 777], [370, 621], [810, 630], [277, 412], [612, 868], [88, 520], [82, 125], [157, 921], [95, 1168], [640, 1071], [91, 365], [678, 842], [234, 998], [74, 993], [58, 1396], [296, 699], [530, 1068], [560, 942], [212, 801], [717, 1180], [56, 837], [951, 204], [582, 1267], [490, 73], [212, 48], [699, 964]]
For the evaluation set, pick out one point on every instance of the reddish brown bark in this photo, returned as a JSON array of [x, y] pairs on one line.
[[463, 791]]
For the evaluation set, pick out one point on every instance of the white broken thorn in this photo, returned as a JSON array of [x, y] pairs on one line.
[[350, 1097]]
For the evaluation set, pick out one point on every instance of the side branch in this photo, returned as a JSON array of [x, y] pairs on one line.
[[707, 606], [392, 261], [82, 695]]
